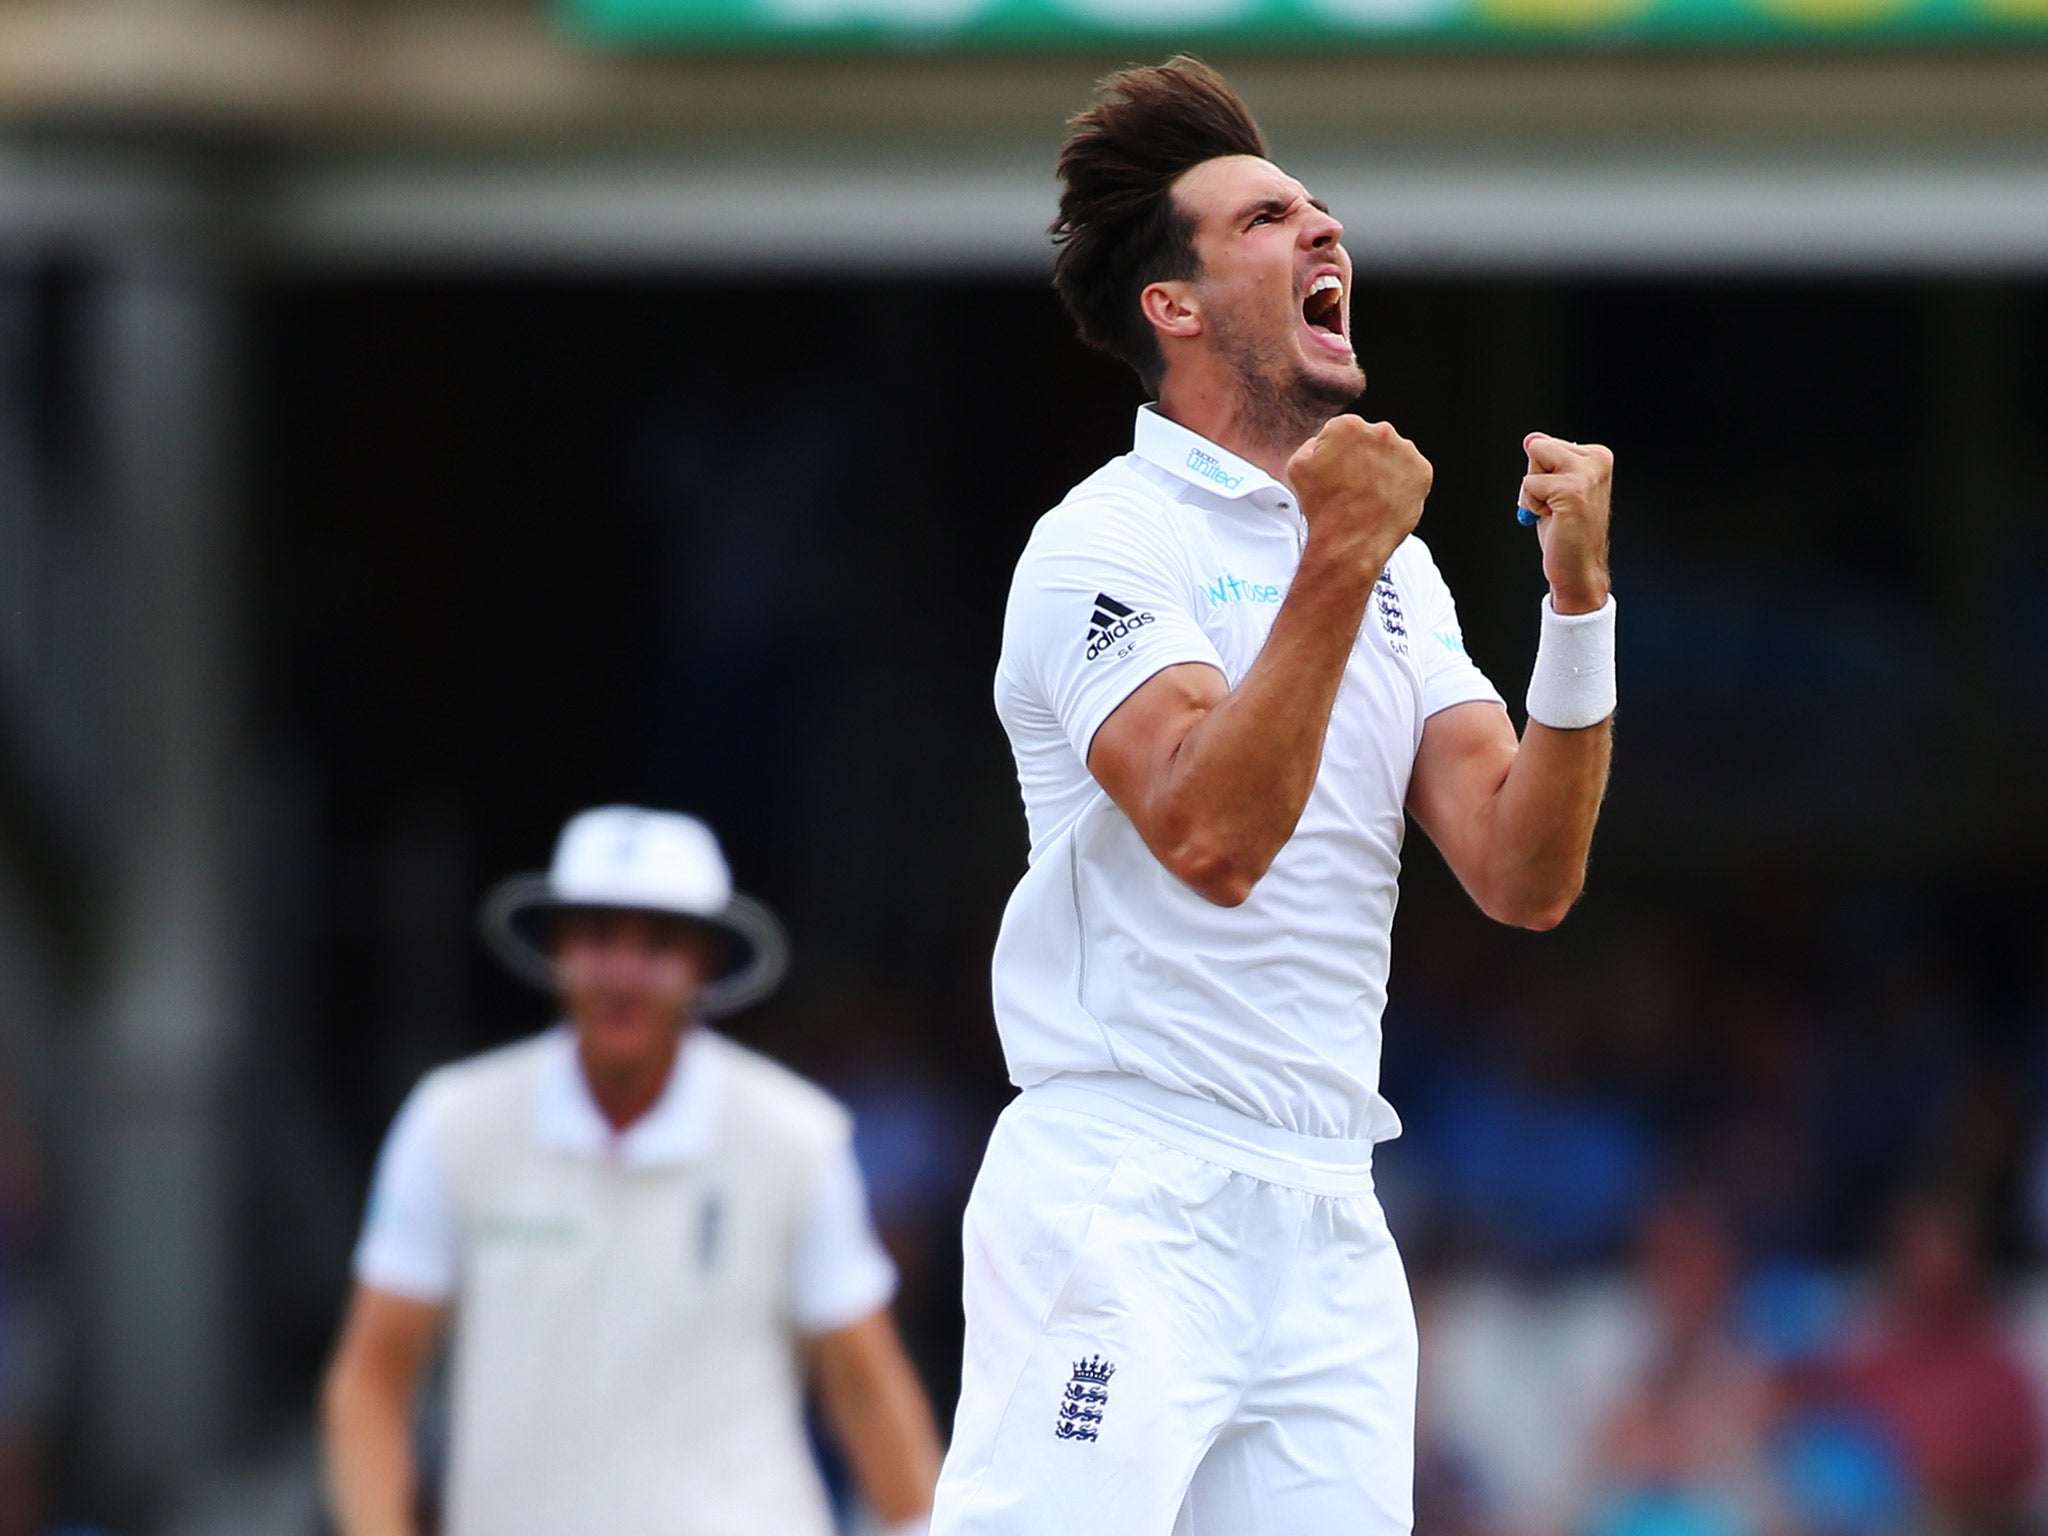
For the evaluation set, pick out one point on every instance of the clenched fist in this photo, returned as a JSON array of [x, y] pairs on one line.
[[1362, 486], [1568, 486]]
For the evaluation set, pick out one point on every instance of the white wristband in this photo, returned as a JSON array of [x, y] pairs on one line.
[[916, 1525], [1572, 685]]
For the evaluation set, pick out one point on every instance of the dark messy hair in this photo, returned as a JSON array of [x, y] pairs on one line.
[[1119, 229]]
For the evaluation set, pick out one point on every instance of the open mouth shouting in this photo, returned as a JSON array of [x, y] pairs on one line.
[[1322, 314]]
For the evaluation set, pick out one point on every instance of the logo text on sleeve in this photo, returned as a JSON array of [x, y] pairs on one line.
[[1113, 621]]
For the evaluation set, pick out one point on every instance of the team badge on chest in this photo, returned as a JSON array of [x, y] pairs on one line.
[[1388, 601], [710, 1231], [1087, 1395]]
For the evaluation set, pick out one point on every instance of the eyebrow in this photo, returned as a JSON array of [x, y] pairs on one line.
[[1279, 206]]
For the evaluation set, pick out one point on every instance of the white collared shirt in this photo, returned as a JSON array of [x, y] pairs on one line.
[[1181, 552], [629, 1309], [412, 1239]]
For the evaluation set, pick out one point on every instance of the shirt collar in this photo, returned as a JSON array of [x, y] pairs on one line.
[[679, 1130], [1190, 457]]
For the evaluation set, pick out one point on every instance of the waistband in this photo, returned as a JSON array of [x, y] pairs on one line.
[[1317, 1165]]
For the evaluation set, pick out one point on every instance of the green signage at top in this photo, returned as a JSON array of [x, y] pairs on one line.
[[826, 24]]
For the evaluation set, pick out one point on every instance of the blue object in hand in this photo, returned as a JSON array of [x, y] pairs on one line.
[[1525, 517]]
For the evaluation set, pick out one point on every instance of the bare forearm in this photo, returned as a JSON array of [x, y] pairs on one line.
[[1236, 787], [1513, 817], [1541, 823], [895, 1454], [1215, 778], [878, 1413], [370, 1471]]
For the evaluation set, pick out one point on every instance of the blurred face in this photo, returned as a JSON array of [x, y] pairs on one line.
[[628, 980], [1689, 1261], [1274, 297], [1933, 1257]]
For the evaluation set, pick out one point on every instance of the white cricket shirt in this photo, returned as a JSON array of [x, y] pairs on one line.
[[628, 1308], [1180, 551]]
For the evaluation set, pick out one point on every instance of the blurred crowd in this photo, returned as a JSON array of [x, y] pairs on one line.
[[1705, 1396], [1720, 1219], [1721, 1216]]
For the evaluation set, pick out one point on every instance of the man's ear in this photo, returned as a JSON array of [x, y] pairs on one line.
[[1172, 309]]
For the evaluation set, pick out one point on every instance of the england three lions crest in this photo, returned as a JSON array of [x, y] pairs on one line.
[[1087, 1395], [1388, 600]]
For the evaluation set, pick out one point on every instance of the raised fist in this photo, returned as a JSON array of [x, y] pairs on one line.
[[1568, 487], [1362, 486]]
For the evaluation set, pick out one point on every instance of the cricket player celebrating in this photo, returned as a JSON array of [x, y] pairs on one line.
[[1229, 672], [640, 1230]]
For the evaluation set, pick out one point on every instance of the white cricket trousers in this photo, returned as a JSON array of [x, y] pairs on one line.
[[1180, 1322]]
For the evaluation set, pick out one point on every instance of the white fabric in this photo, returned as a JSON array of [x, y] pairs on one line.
[[411, 1241], [838, 1270], [1105, 962], [1572, 684], [628, 1309], [621, 855], [681, 1128], [1260, 1334]]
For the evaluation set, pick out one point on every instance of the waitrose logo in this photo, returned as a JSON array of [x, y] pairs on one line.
[[1229, 589]]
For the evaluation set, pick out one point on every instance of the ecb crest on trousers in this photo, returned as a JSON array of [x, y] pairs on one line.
[[1087, 1394]]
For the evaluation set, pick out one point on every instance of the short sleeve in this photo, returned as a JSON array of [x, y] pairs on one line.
[[839, 1271], [1100, 605], [410, 1243], [1449, 675]]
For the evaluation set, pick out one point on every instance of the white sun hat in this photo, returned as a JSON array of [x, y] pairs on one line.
[[622, 856]]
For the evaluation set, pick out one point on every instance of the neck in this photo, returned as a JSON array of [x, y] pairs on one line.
[[626, 1090], [1259, 430]]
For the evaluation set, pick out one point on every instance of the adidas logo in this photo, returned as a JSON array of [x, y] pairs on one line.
[[1112, 622]]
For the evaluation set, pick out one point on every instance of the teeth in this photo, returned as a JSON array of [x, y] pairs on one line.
[[1325, 283]]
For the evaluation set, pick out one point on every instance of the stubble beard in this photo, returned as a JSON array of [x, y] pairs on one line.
[[1284, 403]]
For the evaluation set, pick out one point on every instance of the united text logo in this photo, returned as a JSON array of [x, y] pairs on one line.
[[1209, 467]]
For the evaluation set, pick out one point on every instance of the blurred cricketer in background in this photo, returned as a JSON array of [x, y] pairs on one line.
[[1229, 673], [642, 1232]]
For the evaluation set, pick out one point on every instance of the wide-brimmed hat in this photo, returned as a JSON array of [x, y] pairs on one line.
[[621, 856]]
